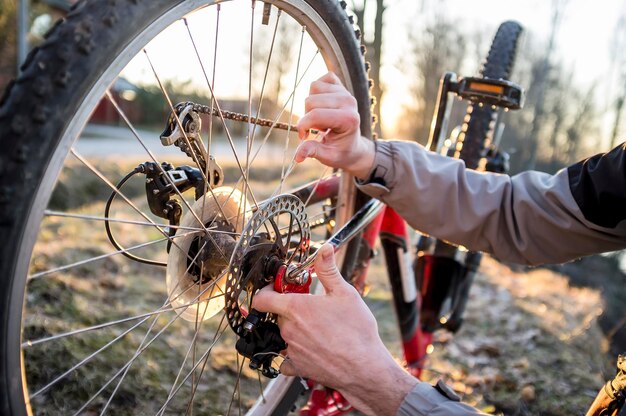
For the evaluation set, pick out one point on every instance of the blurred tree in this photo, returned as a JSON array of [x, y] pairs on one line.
[[440, 47], [540, 80], [374, 47], [275, 60], [582, 122], [8, 46], [567, 119], [38, 13], [618, 63]]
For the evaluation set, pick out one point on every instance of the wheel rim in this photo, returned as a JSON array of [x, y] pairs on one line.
[[57, 165]]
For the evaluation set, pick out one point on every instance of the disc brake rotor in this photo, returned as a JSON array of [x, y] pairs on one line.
[[278, 231]]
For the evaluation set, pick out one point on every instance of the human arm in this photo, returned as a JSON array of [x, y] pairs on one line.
[[333, 339], [530, 218]]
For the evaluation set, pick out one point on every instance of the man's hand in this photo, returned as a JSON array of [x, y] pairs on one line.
[[330, 106], [333, 339]]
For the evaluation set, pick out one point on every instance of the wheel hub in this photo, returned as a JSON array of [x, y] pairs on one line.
[[197, 266]]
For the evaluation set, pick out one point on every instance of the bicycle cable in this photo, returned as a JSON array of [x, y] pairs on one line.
[[107, 226]]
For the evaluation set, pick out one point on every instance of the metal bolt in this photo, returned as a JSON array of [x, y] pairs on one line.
[[248, 326]]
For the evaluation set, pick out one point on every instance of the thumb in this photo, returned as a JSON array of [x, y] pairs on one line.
[[306, 149], [327, 271]]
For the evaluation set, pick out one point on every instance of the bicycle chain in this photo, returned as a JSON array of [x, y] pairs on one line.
[[231, 115]]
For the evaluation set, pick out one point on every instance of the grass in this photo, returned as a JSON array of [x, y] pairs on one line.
[[530, 344]]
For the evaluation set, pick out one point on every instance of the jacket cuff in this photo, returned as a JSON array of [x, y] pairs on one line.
[[421, 401], [437, 400], [382, 176]]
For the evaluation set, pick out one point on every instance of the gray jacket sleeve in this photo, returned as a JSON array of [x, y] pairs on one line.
[[530, 218], [426, 400]]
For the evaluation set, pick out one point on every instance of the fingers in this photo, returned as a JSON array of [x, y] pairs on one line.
[[338, 120], [327, 271], [330, 100], [327, 83], [306, 149], [331, 78], [327, 93], [268, 300]]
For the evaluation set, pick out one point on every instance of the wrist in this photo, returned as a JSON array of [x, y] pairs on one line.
[[363, 163], [380, 387]]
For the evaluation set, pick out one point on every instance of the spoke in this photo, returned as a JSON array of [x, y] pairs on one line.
[[250, 124], [292, 164], [217, 31], [165, 175], [210, 134], [306, 203], [217, 105], [50, 213], [207, 183], [107, 345], [32, 343], [236, 389], [96, 258], [267, 67], [261, 392], [293, 93], [205, 360], [197, 328], [192, 348], [124, 197], [204, 357]]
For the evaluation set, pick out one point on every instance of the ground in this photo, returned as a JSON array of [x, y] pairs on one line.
[[530, 343]]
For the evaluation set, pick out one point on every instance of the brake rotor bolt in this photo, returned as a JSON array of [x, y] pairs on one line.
[[248, 326]]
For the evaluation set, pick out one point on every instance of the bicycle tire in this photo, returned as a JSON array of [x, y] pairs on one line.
[[59, 87], [478, 123]]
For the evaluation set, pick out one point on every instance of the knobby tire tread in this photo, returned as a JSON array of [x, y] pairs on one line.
[[478, 120]]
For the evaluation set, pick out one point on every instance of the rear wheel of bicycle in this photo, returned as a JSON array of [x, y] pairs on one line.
[[83, 327], [478, 126]]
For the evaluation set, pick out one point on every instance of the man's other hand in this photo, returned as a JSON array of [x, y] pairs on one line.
[[333, 111]]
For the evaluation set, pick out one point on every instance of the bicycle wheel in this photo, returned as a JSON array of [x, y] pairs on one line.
[[477, 129], [84, 326]]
